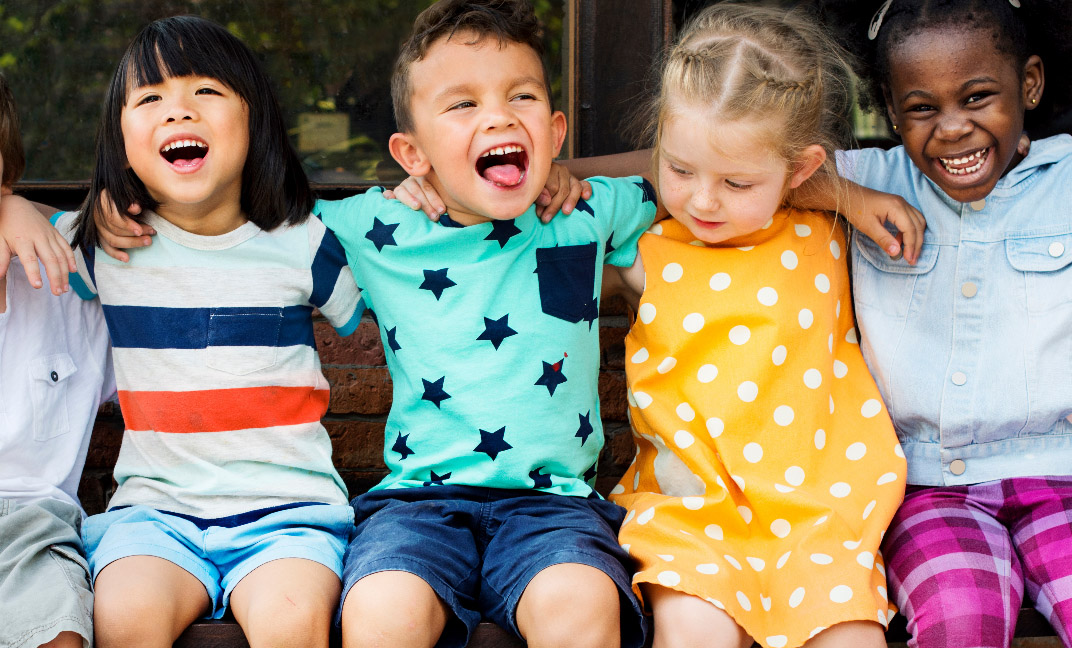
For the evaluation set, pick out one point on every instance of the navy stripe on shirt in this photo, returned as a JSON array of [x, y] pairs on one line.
[[149, 327]]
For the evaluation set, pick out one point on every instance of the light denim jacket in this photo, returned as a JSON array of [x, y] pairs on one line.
[[972, 346]]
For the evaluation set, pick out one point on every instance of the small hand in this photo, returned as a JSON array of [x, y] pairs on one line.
[[418, 194], [878, 208], [27, 234], [116, 232], [561, 192]]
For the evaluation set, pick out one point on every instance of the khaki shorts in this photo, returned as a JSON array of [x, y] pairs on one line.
[[44, 582]]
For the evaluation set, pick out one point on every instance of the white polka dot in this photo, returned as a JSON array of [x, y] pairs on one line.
[[717, 603], [629, 516], [646, 312], [697, 243], [707, 568], [767, 296], [672, 272], [830, 343], [746, 248], [835, 249], [720, 281], [782, 488], [645, 516], [683, 439], [789, 260], [802, 230], [707, 373], [732, 561], [813, 378], [784, 559], [820, 439], [889, 615], [821, 559], [866, 559], [747, 391], [666, 365], [882, 592], [737, 479], [642, 399], [840, 489], [665, 557], [777, 641], [840, 369], [816, 631], [856, 451], [869, 508], [740, 334], [794, 475], [780, 528], [629, 397], [692, 503], [882, 617], [636, 480], [783, 415], [627, 547], [756, 563], [765, 602], [684, 412], [692, 323], [778, 355], [841, 594], [669, 578], [713, 531], [746, 514], [851, 338], [898, 450], [770, 221], [822, 283], [806, 318], [831, 403], [871, 408], [715, 426], [640, 356], [744, 602], [753, 452], [821, 520], [617, 490], [656, 229], [851, 545], [887, 478], [796, 598], [718, 480]]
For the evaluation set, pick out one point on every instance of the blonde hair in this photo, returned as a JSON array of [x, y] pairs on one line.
[[753, 63]]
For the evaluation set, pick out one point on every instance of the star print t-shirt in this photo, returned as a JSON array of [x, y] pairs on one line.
[[491, 334]]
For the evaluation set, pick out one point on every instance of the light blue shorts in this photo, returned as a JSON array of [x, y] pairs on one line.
[[220, 552]]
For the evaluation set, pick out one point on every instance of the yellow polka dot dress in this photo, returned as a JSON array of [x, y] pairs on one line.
[[767, 468]]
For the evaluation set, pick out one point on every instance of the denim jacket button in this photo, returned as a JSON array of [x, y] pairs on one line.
[[969, 289], [957, 467], [978, 205], [959, 378], [1056, 249]]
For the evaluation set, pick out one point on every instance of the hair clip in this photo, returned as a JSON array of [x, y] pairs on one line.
[[876, 22], [1015, 3]]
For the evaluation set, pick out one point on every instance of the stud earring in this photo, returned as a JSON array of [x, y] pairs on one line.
[[895, 128], [1034, 101]]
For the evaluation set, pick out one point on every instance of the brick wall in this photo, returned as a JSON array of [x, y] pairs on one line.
[[361, 398]]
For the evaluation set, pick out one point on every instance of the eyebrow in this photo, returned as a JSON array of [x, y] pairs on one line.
[[964, 87]]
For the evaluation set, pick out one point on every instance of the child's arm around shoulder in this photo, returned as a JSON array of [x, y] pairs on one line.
[[26, 233]]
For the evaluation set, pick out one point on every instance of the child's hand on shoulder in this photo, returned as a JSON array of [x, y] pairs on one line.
[[419, 195], [117, 232], [874, 209], [26, 233]]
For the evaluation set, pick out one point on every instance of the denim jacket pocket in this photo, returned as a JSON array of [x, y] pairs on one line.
[[242, 341], [883, 283], [50, 376], [1046, 263], [567, 278]]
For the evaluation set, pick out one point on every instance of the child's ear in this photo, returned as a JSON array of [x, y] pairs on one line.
[[405, 150], [558, 130], [811, 158], [1034, 82], [890, 113]]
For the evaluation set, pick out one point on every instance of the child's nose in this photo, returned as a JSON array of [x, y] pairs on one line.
[[705, 199], [954, 125], [499, 116], [179, 110]]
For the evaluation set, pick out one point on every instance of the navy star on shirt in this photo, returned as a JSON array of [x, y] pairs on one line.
[[609, 247], [586, 429], [540, 480], [590, 474], [552, 376], [401, 448], [381, 234], [492, 443], [582, 205], [649, 191], [436, 281], [495, 331], [591, 313], [436, 480], [502, 231], [433, 391], [392, 343]]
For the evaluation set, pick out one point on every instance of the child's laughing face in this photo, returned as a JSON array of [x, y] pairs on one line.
[[484, 131], [958, 104]]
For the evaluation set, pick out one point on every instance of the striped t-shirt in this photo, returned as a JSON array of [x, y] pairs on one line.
[[219, 380]]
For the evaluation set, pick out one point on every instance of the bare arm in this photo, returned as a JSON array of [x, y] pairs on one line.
[[26, 233]]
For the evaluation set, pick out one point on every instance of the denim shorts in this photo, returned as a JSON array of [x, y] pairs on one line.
[[478, 548], [44, 582], [220, 552]]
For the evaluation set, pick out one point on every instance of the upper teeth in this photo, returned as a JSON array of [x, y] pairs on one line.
[[503, 150], [181, 143], [978, 155], [964, 160]]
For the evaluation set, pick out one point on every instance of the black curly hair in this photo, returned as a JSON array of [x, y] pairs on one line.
[[1042, 27]]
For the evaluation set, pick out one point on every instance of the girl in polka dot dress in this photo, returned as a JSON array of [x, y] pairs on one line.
[[767, 468]]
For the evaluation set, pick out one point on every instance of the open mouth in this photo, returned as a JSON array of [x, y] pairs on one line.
[[967, 164], [504, 166], [184, 152]]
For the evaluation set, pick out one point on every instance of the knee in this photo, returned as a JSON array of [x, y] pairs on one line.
[[955, 617], [282, 623], [583, 603], [121, 620], [392, 609], [65, 640]]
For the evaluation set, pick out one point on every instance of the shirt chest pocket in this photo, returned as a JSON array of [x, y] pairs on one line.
[[49, 379], [1046, 264], [567, 277], [890, 286], [243, 340]]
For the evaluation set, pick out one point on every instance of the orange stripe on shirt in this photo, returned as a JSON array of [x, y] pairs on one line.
[[222, 410]]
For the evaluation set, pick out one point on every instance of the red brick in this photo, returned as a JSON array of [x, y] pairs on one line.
[[612, 395], [359, 391], [361, 348], [104, 444], [356, 444]]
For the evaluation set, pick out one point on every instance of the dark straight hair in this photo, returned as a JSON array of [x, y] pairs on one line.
[[275, 189]]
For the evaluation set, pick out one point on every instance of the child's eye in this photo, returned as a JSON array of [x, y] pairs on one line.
[[463, 104], [677, 170], [978, 96], [208, 91], [147, 99], [737, 185], [525, 95], [919, 108]]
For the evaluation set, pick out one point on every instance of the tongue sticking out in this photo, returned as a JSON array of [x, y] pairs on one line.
[[507, 175]]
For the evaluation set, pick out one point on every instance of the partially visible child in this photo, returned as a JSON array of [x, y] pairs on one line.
[[55, 371], [767, 468], [227, 495], [972, 347]]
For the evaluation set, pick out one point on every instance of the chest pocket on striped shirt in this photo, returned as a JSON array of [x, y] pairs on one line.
[[243, 340]]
